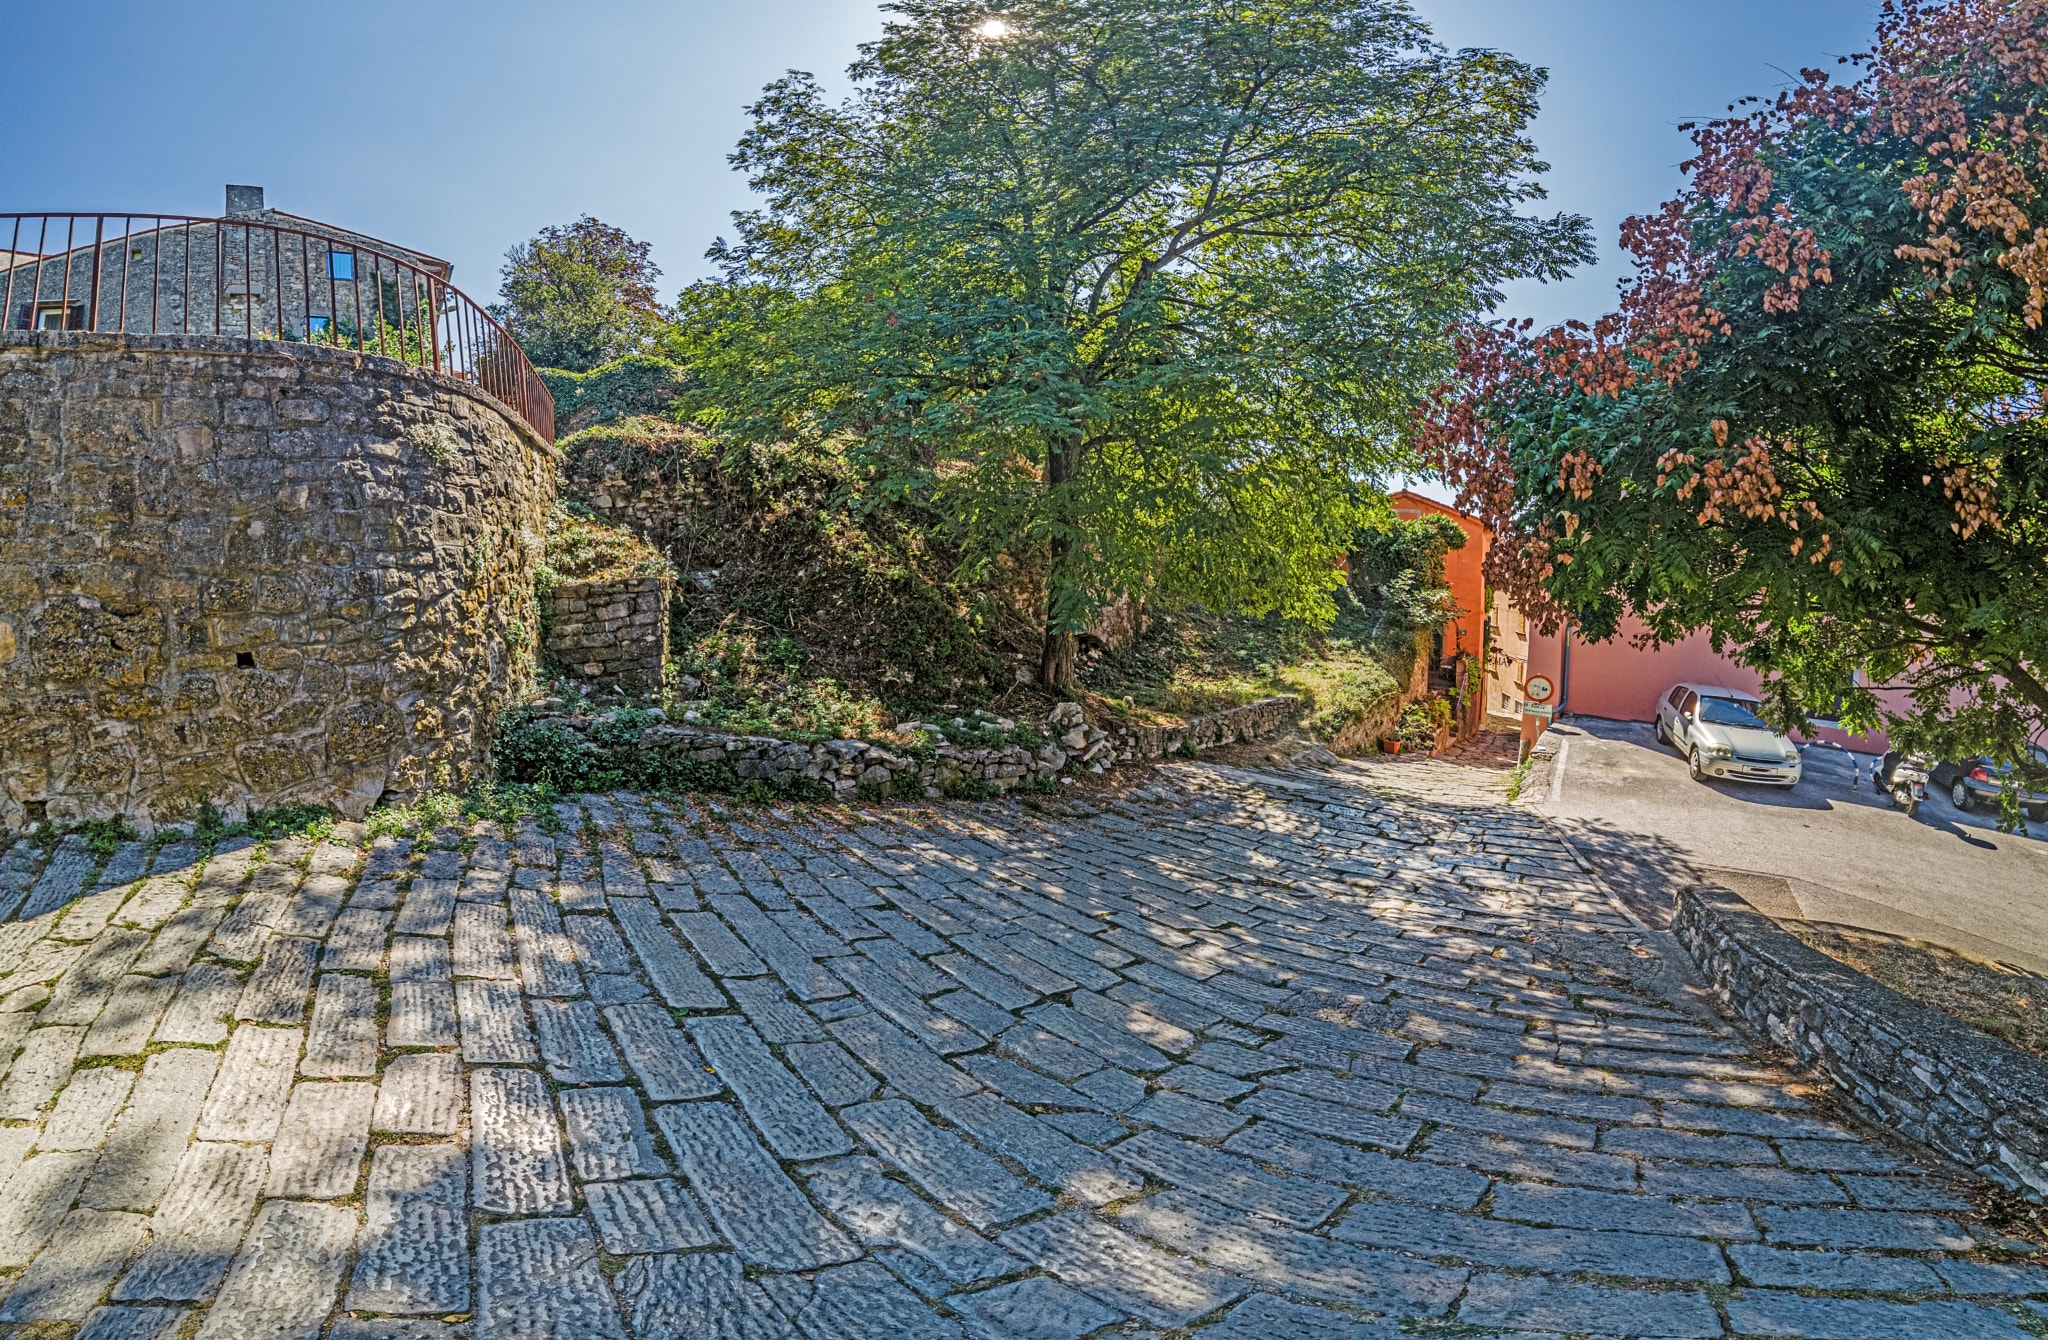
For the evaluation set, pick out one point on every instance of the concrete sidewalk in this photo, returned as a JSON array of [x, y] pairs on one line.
[[1821, 851]]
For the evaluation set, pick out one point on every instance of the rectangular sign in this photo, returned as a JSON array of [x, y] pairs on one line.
[[1537, 709]]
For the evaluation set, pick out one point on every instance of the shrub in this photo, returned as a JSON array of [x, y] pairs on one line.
[[636, 384], [1421, 720], [542, 751]]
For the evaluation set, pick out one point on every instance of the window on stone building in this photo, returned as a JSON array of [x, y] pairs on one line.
[[60, 316], [341, 265], [319, 325]]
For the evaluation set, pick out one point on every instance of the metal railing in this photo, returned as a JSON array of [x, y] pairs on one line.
[[250, 278]]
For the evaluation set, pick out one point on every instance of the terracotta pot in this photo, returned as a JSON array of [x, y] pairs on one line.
[[1390, 746]]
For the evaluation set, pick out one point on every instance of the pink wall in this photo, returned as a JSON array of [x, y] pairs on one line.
[[1620, 681]]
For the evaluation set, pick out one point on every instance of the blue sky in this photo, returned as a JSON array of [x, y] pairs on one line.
[[460, 127]]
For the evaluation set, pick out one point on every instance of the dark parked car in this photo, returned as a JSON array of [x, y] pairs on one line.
[[1978, 781]]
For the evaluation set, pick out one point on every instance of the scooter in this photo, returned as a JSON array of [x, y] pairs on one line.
[[1902, 777]]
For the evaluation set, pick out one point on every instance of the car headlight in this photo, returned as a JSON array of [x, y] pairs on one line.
[[1720, 751]]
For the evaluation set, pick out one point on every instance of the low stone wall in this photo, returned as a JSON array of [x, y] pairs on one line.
[[612, 632], [1961, 1093], [1363, 733], [852, 769], [1234, 725]]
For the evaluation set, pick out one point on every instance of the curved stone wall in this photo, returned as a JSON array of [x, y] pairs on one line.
[[252, 573]]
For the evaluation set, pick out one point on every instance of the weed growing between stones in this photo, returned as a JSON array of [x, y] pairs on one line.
[[435, 442], [101, 835], [1518, 777], [266, 825], [502, 803]]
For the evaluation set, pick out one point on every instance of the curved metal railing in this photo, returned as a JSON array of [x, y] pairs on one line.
[[251, 278]]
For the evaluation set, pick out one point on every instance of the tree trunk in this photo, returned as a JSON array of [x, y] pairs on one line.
[[1056, 661]]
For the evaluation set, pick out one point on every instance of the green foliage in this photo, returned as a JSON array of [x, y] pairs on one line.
[[866, 588], [580, 295], [293, 819], [1397, 575], [749, 688], [1799, 437], [983, 729], [1133, 296], [500, 803], [435, 442], [636, 384], [544, 753], [1341, 690], [966, 786], [533, 749], [581, 548], [101, 835], [1422, 720]]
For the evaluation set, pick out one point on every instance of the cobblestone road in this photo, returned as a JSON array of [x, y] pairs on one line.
[[1265, 1055]]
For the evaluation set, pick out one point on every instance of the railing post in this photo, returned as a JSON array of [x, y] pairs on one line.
[[92, 302], [434, 322]]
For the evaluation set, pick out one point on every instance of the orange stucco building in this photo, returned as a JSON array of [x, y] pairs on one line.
[[1463, 572], [1620, 679]]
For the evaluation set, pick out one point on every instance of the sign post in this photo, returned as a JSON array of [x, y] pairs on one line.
[[1536, 709]]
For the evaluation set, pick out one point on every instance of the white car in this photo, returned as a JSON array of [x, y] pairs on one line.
[[1721, 735]]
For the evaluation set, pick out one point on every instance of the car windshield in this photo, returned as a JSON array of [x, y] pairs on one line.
[[1728, 712]]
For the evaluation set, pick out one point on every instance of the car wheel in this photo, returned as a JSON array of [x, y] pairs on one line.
[[2038, 814], [1699, 774], [1959, 795]]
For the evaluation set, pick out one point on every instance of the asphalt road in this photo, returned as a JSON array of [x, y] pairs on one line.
[[1819, 851]]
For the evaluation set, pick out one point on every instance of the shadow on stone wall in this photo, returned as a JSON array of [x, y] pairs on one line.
[[248, 573]]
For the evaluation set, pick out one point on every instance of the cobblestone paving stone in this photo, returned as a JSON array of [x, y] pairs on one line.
[[1297, 1055]]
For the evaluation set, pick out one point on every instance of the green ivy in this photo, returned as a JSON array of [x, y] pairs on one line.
[[636, 384]]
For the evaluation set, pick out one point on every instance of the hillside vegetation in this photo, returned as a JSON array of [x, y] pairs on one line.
[[808, 602]]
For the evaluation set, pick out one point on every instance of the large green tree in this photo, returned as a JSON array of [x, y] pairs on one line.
[[580, 294], [1134, 295], [1816, 427]]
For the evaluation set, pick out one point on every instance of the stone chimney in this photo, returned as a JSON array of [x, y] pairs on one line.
[[245, 200]]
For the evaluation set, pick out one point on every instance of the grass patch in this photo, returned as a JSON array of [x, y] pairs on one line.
[[580, 548], [1192, 663], [2009, 1003], [502, 803], [101, 836], [312, 822]]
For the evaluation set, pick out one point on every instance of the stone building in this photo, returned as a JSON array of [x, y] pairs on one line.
[[254, 271], [246, 565]]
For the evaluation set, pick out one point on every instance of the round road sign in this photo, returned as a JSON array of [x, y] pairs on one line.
[[1539, 689]]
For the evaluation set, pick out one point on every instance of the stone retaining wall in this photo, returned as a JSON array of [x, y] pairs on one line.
[[850, 769], [245, 573], [612, 632], [1907, 1067], [1234, 725]]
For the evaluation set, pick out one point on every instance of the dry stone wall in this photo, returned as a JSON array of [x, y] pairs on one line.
[[611, 632], [920, 761], [250, 573], [1906, 1066]]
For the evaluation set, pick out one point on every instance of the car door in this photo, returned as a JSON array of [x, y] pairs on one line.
[[1687, 709], [1667, 714]]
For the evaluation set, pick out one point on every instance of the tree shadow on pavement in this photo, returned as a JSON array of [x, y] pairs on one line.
[[1646, 873]]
